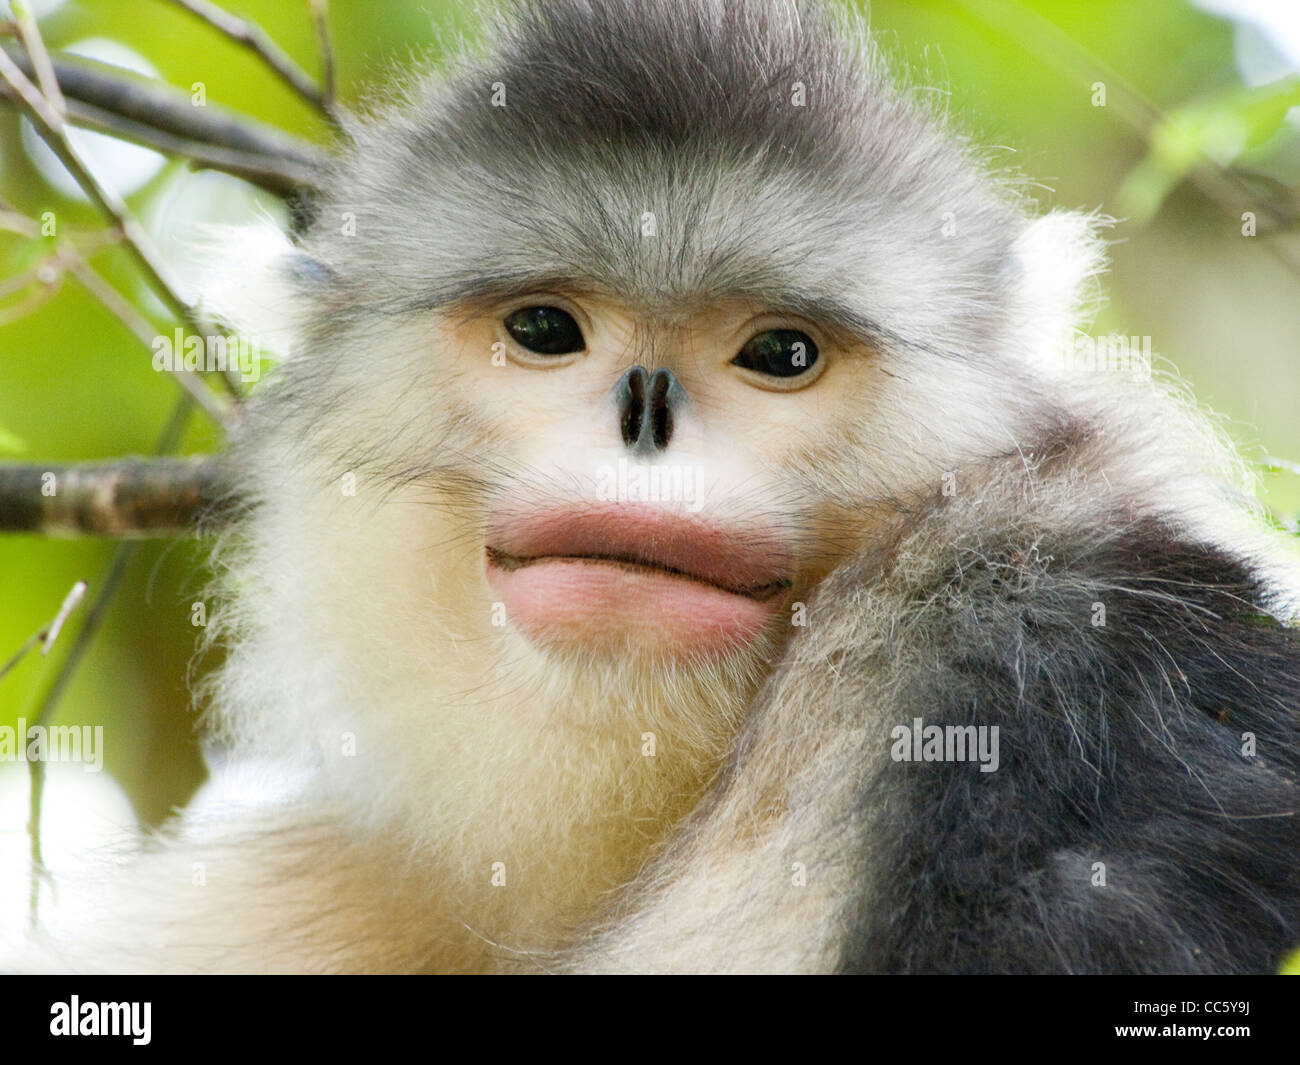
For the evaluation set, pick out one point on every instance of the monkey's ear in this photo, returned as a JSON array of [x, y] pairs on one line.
[[1058, 260], [259, 285]]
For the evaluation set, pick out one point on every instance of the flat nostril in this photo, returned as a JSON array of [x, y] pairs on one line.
[[647, 404], [661, 413], [631, 403]]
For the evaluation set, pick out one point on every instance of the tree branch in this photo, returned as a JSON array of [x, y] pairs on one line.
[[105, 99], [126, 499], [30, 35]]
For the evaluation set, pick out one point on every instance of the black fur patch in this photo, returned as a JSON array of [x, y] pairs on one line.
[[1120, 744]]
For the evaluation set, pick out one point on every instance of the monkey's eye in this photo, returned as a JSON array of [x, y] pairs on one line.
[[545, 330], [778, 353]]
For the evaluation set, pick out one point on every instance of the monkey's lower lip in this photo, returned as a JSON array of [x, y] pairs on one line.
[[636, 578]]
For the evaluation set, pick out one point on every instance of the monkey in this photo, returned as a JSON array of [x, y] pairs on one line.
[[665, 548]]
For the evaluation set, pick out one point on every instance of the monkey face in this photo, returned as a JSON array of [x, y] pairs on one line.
[[649, 510]]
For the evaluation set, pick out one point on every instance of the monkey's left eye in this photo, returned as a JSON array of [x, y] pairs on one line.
[[545, 330], [778, 353]]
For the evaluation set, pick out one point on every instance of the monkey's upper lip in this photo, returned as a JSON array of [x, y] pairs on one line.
[[750, 561]]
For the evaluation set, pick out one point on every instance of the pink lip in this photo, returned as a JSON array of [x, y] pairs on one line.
[[636, 577]]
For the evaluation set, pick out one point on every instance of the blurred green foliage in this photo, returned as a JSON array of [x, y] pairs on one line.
[[74, 384], [1219, 128]]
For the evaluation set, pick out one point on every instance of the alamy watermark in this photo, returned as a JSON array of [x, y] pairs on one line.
[[53, 743], [1109, 354], [920, 742], [129, 1019], [208, 354], [657, 483]]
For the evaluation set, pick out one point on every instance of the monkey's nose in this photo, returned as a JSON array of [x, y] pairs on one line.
[[646, 402]]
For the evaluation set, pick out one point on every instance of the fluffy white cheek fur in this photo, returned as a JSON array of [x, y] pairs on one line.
[[366, 645]]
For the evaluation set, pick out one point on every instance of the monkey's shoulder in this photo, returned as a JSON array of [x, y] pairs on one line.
[[1144, 706], [1046, 594]]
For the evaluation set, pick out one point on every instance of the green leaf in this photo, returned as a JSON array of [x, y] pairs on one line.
[[1218, 129]]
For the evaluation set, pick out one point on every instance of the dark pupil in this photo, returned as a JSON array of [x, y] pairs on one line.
[[545, 330], [778, 353]]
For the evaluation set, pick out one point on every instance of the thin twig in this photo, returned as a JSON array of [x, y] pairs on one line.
[[143, 330], [30, 35], [47, 634], [280, 176], [17, 222], [47, 273], [49, 123], [70, 601], [251, 36], [87, 242], [329, 89], [10, 285]]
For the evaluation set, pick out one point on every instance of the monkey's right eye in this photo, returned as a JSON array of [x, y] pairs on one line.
[[545, 330]]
